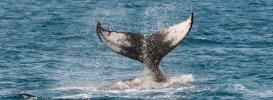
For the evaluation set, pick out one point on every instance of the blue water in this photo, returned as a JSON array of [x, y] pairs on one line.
[[49, 48]]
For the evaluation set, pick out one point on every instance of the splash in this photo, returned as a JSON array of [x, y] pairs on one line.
[[146, 82], [143, 87]]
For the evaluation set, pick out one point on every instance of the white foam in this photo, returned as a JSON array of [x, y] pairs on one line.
[[240, 88], [135, 88], [83, 96], [146, 83], [260, 93], [141, 83]]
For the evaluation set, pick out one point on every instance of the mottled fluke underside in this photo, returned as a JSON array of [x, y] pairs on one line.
[[150, 49]]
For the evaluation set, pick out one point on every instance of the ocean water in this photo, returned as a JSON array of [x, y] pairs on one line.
[[49, 50]]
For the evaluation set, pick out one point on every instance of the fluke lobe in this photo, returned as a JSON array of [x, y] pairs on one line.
[[150, 49]]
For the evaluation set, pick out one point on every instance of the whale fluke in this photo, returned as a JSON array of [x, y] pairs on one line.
[[125, 43], [150, 49]]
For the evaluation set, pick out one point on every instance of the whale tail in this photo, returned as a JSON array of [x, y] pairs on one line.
[[150, 49]]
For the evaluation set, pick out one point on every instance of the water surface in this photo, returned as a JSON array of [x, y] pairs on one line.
[[49, 49]]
